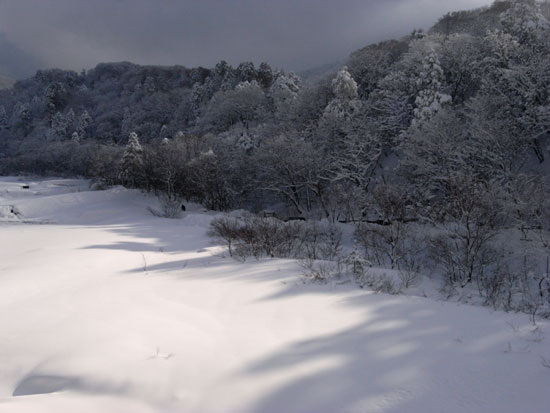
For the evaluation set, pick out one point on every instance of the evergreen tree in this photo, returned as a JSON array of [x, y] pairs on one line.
[[23, 118], [70, 119], [84, 121], [59, 127], [430, 99], [390, 107], [345, 103], [246, 72], [265, 75], [131, 166], [56, 96], [284, 93]]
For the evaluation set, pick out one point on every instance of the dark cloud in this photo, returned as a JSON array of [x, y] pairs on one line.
[[294, 34]]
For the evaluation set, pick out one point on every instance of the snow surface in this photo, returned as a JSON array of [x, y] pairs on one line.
[[104, 307]]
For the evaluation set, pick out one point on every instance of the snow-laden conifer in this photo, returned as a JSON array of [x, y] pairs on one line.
[[131, 167], [430, 99]]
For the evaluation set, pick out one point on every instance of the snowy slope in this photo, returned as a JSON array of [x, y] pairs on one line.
[[111, 309]]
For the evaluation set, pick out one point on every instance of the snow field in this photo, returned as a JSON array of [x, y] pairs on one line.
[[111, 309]]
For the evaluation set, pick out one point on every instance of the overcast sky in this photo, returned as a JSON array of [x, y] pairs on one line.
[[290, 34]]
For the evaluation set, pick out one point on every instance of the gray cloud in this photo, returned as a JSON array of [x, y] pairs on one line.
[[294, 34]]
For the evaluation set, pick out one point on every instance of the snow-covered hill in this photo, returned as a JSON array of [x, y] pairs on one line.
[[104, 307]]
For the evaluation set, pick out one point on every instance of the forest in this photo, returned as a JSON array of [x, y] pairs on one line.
[[435, 146]]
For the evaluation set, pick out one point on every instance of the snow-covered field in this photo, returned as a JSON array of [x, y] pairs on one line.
[[106, 308]]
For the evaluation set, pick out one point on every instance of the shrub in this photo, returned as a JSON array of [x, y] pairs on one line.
[[170, 207], [463, 246], [321, 270], [260, 236], [226, 229]]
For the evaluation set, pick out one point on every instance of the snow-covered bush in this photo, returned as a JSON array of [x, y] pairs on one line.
[[256, 236], [261, 236], [225, 228], [170, 206], [357, 265], [519, 280], [381, 283], [319, 241], [396, 245], [321, 270]]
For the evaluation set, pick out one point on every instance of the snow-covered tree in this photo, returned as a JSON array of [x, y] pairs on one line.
[[523, 19], [293, 170], [70, 119], [166, 169], [460, 55], [516, 82], [82, 125], [343, 107], [343, 85], [22, 118], [149, 85], [390, 107], [56, 95], [464, 247], [430, 99], [391, 104], [350, 149], [208, 179], [59, 127], [345, 103], [265, 75], [223, 77], [246, 72], [3, 117], [131, 165], [500, 48], [127, 122], [372, 63], [284, 93], [199, 97], [243, 105], [357, 264]]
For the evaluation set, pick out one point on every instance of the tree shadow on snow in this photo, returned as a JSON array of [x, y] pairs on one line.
[[403, 350]]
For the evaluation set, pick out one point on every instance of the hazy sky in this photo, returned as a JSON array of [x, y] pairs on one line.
[[293, 34]]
